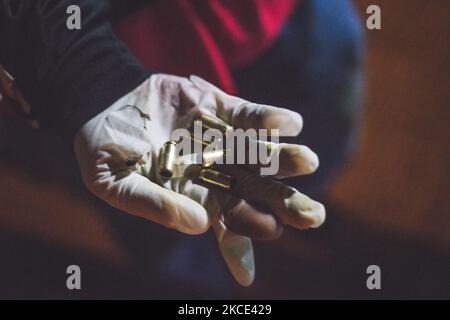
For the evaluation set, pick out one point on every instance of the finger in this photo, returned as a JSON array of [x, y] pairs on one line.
[[263, 157], [247, 115], [138, 196], [239, 216], [237, 252], [11, 90], [279, 159], [7, 83], [244, 219], [292, 207]]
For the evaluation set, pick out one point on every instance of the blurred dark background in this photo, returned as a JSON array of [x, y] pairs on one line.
[[390, 206]]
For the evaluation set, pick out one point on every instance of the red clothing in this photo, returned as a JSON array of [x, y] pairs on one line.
[[203, 37]]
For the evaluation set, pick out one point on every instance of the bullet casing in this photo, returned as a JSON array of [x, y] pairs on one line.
[[215, 178], [211, 157], [203, 142], [167, 159], [201, 138], [212, 122]]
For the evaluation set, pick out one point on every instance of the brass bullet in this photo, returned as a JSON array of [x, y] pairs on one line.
[[215, 178], [209, 158], [200, 138], [203, 142], [212, 122], [167, 159]]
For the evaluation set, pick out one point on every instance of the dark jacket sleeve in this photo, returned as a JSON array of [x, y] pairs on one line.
[[68, 76]]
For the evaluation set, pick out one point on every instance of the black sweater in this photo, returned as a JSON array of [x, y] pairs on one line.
[[68, 76]]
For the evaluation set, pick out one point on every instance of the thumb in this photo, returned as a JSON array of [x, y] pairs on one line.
[[137, 195]]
